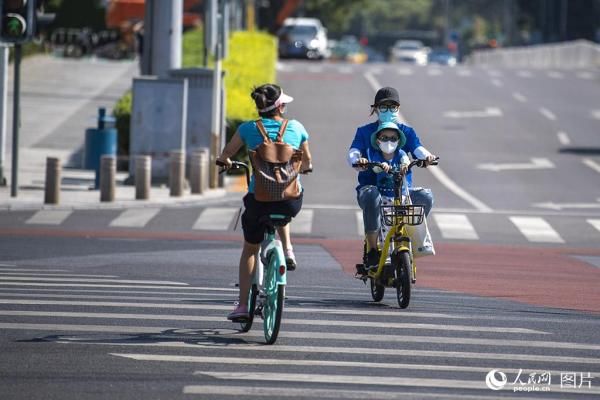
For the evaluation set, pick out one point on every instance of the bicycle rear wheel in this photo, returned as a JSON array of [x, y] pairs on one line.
[[246, 325], [402, 279]]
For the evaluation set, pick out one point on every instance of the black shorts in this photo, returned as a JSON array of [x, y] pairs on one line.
[[255, 233]]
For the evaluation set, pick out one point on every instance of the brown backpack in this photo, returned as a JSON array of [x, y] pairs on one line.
[[276, 166]]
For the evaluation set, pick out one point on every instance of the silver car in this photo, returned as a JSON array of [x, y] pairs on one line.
[[411, 51]]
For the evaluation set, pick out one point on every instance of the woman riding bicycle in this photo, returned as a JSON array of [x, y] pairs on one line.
[[270, 102], [386, 106]]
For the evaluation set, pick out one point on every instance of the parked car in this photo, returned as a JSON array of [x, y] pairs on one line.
[[411, 51], [349, 49], [303, 38], [442, 57]]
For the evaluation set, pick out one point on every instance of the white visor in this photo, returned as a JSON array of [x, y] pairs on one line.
[[283, 99]]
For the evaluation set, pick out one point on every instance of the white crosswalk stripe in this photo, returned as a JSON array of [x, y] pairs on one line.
[[595, 223], [215, 218], [455, 226], [135, 217], [536, 229], [303, 222], [49, 217]]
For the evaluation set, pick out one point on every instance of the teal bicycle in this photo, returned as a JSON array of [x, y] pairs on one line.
[[267, 293]]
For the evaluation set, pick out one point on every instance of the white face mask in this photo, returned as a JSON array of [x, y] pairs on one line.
[[387, 116], [388, 147]]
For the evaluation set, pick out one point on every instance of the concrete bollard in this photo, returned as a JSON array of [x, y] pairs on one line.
[[199, 171], [143, 175], [52, 186], [108, 172], [176, 173]]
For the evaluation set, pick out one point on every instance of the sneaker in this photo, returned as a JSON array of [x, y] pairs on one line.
[[290, 260], [239, 313], [372, 259]]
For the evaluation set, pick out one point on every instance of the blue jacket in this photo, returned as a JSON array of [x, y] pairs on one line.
[[362, 141]]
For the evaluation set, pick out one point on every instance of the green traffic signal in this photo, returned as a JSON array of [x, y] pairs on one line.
[[15, 25]]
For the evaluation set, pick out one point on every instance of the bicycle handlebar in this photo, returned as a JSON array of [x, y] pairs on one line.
[[242, 165], [418, 163]]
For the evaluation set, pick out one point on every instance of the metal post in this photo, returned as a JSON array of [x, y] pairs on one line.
[[142, 177], [52, 184], [108, 171], [14, 184], [177, 173], [199, 171], [167, 27], [4, 51]]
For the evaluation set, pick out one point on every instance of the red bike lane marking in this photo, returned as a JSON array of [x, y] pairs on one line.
[[549, 277], [543, 276]]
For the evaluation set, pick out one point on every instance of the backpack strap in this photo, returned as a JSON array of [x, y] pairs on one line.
[[281, 130], [263, 131]]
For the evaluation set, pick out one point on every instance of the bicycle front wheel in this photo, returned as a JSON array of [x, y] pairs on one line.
[[402, 278], [273, 311]]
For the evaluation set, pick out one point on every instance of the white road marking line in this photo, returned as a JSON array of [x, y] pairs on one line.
[[32, 269], [592, 164], [360, 226], [215, 218], [536, 229], [533, 358], [376, 70], [368, 380], [290, 321], [548, 114], [302, 223], [555, 75], [524, 74], [49, 217], [585, 75], [116, 297], [595, 223], [19, 273], [455, 226], [563, 138], [595, 114], [135, 217], [497, 83], [462, 71], [404, 71], [458, 191], [47, 284], [345, 70], [434, 72], [519, 97], [309, 363], [315, 69], [285, 392], [2, 265], [494, 73], [44, 279]]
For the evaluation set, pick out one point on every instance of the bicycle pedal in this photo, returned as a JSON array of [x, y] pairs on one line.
[[240, 320]]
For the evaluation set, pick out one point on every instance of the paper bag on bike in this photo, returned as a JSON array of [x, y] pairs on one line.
[[275, 166], [420, 238]]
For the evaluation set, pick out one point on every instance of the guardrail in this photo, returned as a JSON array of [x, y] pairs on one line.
[[575, 54]]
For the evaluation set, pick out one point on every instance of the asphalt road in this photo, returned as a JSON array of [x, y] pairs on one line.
[[111, 303]]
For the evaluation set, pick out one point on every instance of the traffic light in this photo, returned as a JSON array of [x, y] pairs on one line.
[[17, 20]]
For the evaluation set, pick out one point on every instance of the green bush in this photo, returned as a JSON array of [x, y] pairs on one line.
[[122, 114]]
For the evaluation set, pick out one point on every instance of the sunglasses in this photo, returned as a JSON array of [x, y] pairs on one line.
[[388, 107], [388, 138]]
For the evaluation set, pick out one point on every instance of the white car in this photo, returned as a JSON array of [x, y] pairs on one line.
[[303, 38], [411, 51]]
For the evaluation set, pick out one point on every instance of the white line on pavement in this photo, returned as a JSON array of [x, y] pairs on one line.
[[524, 74], [595, 114], [536, 229], [592, 164], [135, 217], [548, 114], [555, 75], [32, 269], [595, 223], [463, 72], [215, 218], [497, 83], [455, 226], [585, 75], [563, 138], [43, 279], [49, 217], [303, 222], [19, 273], [519, 97]]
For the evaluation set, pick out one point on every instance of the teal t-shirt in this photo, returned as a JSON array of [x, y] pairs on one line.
[[294, 135]]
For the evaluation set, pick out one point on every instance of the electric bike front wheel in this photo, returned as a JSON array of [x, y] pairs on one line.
[[402, 281]]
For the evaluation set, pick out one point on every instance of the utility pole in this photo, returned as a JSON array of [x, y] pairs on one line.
[[162, 36], [3, 109], [14, 184]]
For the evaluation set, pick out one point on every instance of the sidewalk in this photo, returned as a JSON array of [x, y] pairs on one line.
[[59, 100]]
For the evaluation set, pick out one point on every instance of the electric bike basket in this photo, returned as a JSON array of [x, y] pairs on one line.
[[402, 214]]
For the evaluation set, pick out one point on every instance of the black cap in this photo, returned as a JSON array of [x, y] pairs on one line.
[[386, 94]]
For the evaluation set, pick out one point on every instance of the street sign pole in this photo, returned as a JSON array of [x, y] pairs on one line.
[[16, 122], [3, 109]]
